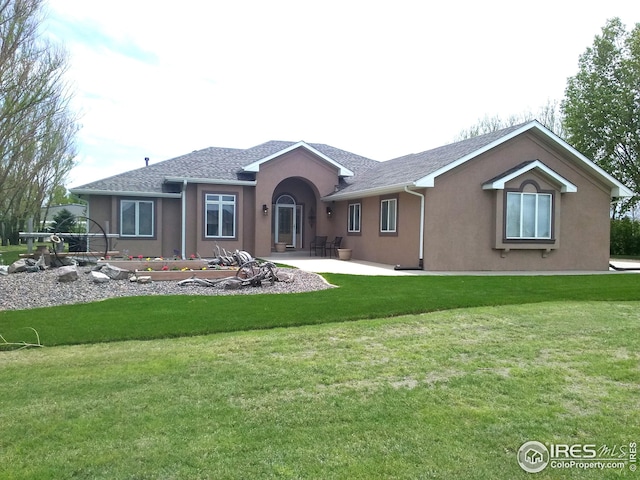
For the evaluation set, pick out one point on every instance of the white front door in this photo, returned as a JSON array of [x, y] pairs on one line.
[[286, 220]]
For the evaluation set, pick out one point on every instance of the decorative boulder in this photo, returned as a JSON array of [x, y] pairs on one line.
[[284, 277], [61, 262], [99, 277], [21, 265], [4, 269], [115, 273], [67, 274]]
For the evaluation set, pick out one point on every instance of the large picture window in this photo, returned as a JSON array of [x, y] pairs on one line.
[[220, 216], [388, 215], [528, 216], [136, 218], [354, 217]]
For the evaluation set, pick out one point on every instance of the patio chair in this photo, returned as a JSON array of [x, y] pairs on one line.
[[334, 246], [318, 243]]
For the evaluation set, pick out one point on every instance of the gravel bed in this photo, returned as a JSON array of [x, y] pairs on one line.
[[20, 291]]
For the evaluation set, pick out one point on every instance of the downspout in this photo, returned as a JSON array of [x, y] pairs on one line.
[[421, 243], [183, 228]]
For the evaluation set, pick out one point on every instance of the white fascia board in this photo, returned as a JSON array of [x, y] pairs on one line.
[[566, 185], [81, 191], [371, 192], [255, 166], [213, 181]]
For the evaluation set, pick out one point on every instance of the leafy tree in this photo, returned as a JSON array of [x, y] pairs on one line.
[[37, 130], [63, 221], [548, 115], [602, 104]]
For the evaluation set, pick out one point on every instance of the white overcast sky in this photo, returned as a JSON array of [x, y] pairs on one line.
[[158, 79]]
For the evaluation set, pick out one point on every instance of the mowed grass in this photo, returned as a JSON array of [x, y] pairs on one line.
[[358, 297], [449, 394]]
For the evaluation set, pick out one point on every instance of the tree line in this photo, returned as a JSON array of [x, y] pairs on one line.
[[600, 114], [37, 126]]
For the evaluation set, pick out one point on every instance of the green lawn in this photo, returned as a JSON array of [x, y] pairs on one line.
[[359, 297], [449, 394], [383, 377]]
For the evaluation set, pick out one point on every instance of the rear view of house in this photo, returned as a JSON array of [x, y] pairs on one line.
[[516, 199]]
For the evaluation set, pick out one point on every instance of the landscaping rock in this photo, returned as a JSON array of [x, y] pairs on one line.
[[99, 277], [62, 262], [4, 269], [115, 273], [144, 279], [284, 277], [20, 266], [67, 274]]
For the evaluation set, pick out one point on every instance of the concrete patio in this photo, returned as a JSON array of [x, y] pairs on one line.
[[303, 261]]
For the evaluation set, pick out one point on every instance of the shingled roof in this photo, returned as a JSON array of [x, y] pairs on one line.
[[224, 165], [409, 169]]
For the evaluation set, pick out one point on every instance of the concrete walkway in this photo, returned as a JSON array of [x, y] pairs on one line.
[[360, 267]]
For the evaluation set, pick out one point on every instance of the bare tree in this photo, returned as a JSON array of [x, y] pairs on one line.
[[37, 128], [548, 115]]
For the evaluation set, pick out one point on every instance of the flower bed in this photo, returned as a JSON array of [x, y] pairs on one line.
[[156, 264]]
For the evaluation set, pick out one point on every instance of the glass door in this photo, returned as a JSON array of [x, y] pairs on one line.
[[286, 221]]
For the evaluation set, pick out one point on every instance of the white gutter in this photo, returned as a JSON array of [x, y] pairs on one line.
[[421, 248], [183, 227], [79, 191], [214, 181], [364, 193]]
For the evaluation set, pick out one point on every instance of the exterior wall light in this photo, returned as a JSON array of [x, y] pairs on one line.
[[329, 212], [265, 209]]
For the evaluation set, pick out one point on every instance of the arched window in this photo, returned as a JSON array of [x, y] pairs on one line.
[[529, 213]]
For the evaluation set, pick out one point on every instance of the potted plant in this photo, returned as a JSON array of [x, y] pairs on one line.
[[281, 247], [344, 253]]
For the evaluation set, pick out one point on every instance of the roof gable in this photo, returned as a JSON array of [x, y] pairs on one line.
[[255, 166], [498, 183], [617, 188]]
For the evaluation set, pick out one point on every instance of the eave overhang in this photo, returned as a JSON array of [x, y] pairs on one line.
[[370, 192], [211, 181], [123, 193]]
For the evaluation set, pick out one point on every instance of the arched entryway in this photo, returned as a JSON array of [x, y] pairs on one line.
[[294, 205]]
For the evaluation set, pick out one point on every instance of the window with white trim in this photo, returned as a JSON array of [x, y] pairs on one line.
[[136, 218], [388, 215], [354, 217], [528, 216], [220, 215]]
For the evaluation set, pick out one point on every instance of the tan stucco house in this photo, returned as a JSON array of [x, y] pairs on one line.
[[516, 199]]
